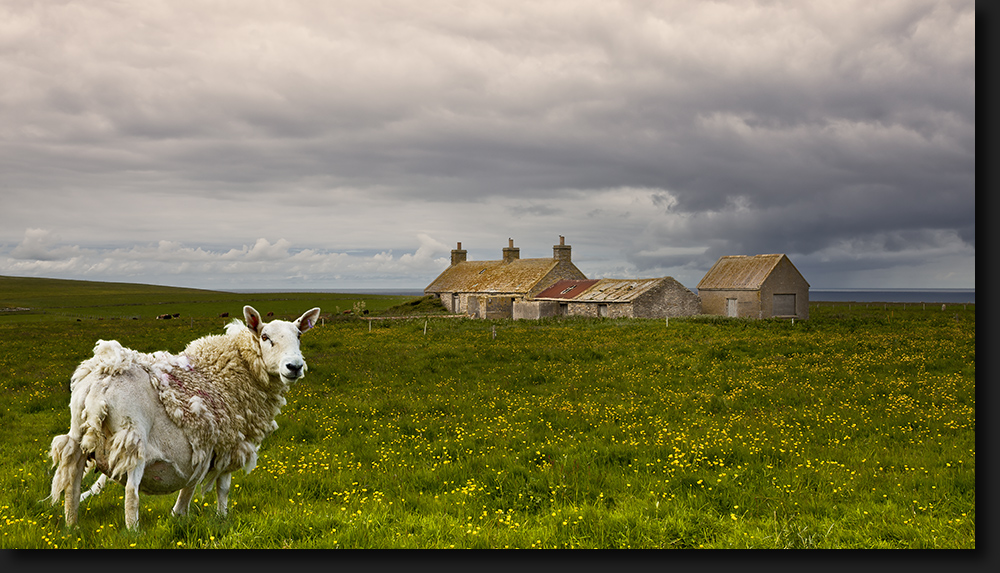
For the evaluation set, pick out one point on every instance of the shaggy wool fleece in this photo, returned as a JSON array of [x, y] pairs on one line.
[[217, 391]]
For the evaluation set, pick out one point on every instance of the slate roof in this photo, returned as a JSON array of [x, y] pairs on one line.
[[740, 272], [516, 276]]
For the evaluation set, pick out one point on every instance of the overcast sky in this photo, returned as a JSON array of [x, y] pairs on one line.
[[314, 145]]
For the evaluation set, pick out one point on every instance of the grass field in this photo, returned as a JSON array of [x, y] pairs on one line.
[[854, 429]]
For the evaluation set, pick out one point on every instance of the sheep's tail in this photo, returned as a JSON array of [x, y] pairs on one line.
[[89, 383], [68, 459]]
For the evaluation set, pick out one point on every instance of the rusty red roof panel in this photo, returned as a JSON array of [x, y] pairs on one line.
[[566, 289]]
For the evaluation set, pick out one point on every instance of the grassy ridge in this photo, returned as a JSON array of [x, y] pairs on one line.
[[58, 299], [853, 429]]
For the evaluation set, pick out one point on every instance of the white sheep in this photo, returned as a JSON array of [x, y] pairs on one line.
[[161, 423]]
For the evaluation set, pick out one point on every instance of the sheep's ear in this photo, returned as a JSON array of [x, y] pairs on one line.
[[253, 318], [307, 320]]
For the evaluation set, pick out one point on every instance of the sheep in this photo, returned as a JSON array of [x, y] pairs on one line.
[[161, 423]]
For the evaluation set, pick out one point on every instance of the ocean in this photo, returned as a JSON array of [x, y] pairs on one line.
[[953, 296]]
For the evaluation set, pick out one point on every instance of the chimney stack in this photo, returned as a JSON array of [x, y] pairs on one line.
[[561, 252], [511, 253], [458, 255]]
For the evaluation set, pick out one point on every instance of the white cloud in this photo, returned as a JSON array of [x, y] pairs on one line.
[[42, 245], [265, 264]]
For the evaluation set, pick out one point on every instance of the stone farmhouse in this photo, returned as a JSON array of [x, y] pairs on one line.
[[759, 286], [489, 289], [536, 288]]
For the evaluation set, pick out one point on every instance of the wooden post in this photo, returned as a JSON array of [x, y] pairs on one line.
[[425, 326]]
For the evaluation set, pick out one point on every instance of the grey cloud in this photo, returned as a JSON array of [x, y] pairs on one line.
[[769, 127]]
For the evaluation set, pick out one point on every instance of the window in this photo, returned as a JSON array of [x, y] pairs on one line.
[[783, 305], [602, 310]]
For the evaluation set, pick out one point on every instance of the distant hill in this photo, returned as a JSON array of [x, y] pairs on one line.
[[54, 299], [45, 292]]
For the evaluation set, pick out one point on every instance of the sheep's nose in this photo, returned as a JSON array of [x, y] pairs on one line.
[[293, 368]]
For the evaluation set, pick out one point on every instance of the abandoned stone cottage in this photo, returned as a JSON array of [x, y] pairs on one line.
[[536, 288], [758, 286], [488, 289]]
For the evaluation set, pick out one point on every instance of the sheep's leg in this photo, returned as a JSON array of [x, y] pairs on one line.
[[134, 477], [72, 504], [183, 501], [222, 492], [96, 488]]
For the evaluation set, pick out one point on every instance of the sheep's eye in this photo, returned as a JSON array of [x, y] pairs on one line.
[[264, 337]]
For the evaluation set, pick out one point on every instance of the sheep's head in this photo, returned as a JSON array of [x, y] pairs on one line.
[[279, 342]]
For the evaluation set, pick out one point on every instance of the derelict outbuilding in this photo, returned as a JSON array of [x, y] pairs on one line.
[[612, 298], [758, 286]]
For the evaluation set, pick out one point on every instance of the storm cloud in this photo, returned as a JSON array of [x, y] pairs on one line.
[[352, 144]]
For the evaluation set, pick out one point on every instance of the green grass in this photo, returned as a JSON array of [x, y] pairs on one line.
[[854, 429]]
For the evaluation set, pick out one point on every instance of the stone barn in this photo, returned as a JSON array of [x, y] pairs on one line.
[[612, 298], [759, 286], [489, 289]]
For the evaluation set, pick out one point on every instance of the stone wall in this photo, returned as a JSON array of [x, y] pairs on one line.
[[670, 298], [714, 302], [785, 280]]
